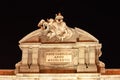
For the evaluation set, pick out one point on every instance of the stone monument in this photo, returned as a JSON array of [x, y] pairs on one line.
[[58, 52], [57, 48]]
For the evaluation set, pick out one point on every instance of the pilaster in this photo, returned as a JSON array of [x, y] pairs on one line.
[[35, 67], [25, 55], [24, 65]]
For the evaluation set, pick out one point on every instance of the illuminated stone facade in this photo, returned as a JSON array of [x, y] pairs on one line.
[[56, 46], [58, 52]]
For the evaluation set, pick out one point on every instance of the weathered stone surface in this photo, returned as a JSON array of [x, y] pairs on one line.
[[55, 46]]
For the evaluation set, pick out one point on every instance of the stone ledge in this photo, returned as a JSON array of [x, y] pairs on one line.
[[108, 72], [7, 72], [112, 72]]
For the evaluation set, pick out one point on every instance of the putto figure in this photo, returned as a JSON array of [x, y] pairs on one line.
[[55, 27]]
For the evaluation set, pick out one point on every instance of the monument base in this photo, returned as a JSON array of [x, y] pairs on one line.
[[77, 76], [110, 74]]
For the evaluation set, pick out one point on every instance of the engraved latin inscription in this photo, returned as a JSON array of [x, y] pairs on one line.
[[58, 57]]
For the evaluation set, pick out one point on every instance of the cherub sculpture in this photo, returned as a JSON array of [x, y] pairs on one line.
[[55, 27]]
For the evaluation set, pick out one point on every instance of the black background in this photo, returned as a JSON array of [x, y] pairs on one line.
[[20, 17]]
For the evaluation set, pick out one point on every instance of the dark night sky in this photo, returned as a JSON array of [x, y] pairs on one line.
[[19, 18]]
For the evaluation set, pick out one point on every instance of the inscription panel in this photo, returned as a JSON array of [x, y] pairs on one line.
[[57, 56]]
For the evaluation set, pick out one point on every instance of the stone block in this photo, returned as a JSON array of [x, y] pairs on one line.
[[87, 68], [34, 68], [24, 68]]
